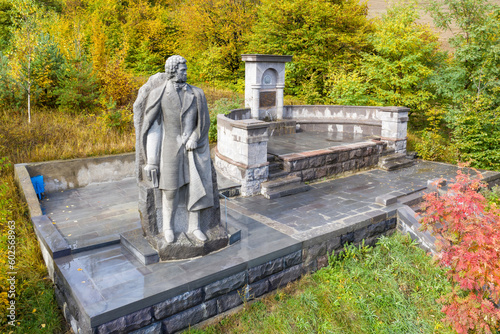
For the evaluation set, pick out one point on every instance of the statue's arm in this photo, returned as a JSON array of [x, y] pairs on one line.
[[153, 146], [153, 143]]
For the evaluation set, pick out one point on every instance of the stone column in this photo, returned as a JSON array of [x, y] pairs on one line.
[[279, 100], [255, 101], [264, 84], [242, 152], [394, 127]]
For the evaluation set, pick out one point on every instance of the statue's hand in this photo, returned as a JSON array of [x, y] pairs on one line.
[[191, 145], [149, 171]]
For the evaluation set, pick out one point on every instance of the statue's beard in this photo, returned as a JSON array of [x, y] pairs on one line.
[[180, 79]]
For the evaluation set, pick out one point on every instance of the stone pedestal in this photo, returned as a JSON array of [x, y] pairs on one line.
[[242, 152], [186, 245]]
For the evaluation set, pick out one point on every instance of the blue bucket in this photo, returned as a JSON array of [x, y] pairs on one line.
[[38, 184]]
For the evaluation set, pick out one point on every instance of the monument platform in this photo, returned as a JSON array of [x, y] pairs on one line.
[[103, 288]]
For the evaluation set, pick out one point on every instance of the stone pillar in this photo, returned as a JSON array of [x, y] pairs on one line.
[[264, 84], [242, 152], [279, 101], [254, 101], [394, 127]]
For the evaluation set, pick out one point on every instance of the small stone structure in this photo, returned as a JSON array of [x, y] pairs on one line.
[[264, 84], [243, 134]]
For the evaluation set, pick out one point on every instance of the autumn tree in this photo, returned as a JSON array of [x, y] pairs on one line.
[[397, 71], [322, 36], [24, 45], [211, 36], [469, 83]]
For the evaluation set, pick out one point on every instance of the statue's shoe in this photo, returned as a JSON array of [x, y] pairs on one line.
[[169, 236], [199, 235]]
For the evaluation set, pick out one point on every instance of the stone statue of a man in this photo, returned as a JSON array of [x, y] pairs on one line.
[[174, 139]]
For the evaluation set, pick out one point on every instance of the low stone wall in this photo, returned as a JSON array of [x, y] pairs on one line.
[[242, 141], [390, 123], [76, 173], [335, 160], [197, 305]]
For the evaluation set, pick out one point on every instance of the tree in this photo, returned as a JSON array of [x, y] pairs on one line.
[[150, 34], [25, 41], [474, 69], [5, 24], [469, 83], [396, 72], [78, 89], [211, 36], [323, 36]]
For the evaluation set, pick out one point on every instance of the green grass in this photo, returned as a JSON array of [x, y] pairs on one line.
[[391, 288]]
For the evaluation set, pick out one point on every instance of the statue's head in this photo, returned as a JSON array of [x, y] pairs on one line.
[[175, 67]]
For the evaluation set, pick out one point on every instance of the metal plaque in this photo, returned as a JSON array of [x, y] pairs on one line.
[[267, 99]]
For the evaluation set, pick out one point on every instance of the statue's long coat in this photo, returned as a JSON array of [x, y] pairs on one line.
[[200, 188]]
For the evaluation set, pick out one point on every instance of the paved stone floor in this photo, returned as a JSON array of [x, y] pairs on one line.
[[309, 141], [109, 282]]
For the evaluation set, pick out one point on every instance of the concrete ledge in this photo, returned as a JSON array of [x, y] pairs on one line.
[[50, 237], [136, 244], [23, 180], [75, 173]]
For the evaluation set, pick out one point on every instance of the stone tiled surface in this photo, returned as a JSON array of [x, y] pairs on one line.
[[90, 215], [109, 283], [308, 141]]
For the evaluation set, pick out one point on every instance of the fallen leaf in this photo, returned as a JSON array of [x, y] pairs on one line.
[[34, 310], [79, 269]]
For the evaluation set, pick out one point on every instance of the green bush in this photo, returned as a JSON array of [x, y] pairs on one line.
[[78, 88], [221, 106], [476, 133]]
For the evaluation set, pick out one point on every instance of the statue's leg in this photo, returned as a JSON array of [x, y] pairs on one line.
[[169, 205], [194, 225]]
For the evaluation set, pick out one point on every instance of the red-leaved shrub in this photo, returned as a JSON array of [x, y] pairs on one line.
[[467, 230]]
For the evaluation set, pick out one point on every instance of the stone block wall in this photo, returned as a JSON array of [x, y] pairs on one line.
[[192, 307], [335, 160], [197, 305]]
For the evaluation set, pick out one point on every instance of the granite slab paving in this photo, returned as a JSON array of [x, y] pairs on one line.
[[309, 141], [108, 282]]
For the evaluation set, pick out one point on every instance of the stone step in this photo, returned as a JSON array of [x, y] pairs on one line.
[[283, 187], [393, 156], [277, 175], [395, 161], [388, 151], [276, 166]]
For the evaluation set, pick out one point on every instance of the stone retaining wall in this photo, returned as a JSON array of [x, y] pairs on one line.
[[335, 160], [76, 173], [242, 141], [195, 306]]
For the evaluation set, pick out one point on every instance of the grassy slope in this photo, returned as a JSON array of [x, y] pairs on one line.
[[391, 288]]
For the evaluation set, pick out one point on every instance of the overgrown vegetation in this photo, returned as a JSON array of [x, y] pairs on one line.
[[390, 288], [87, 55]]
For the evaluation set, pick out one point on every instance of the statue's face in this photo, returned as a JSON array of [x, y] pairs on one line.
[[181, 73]]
